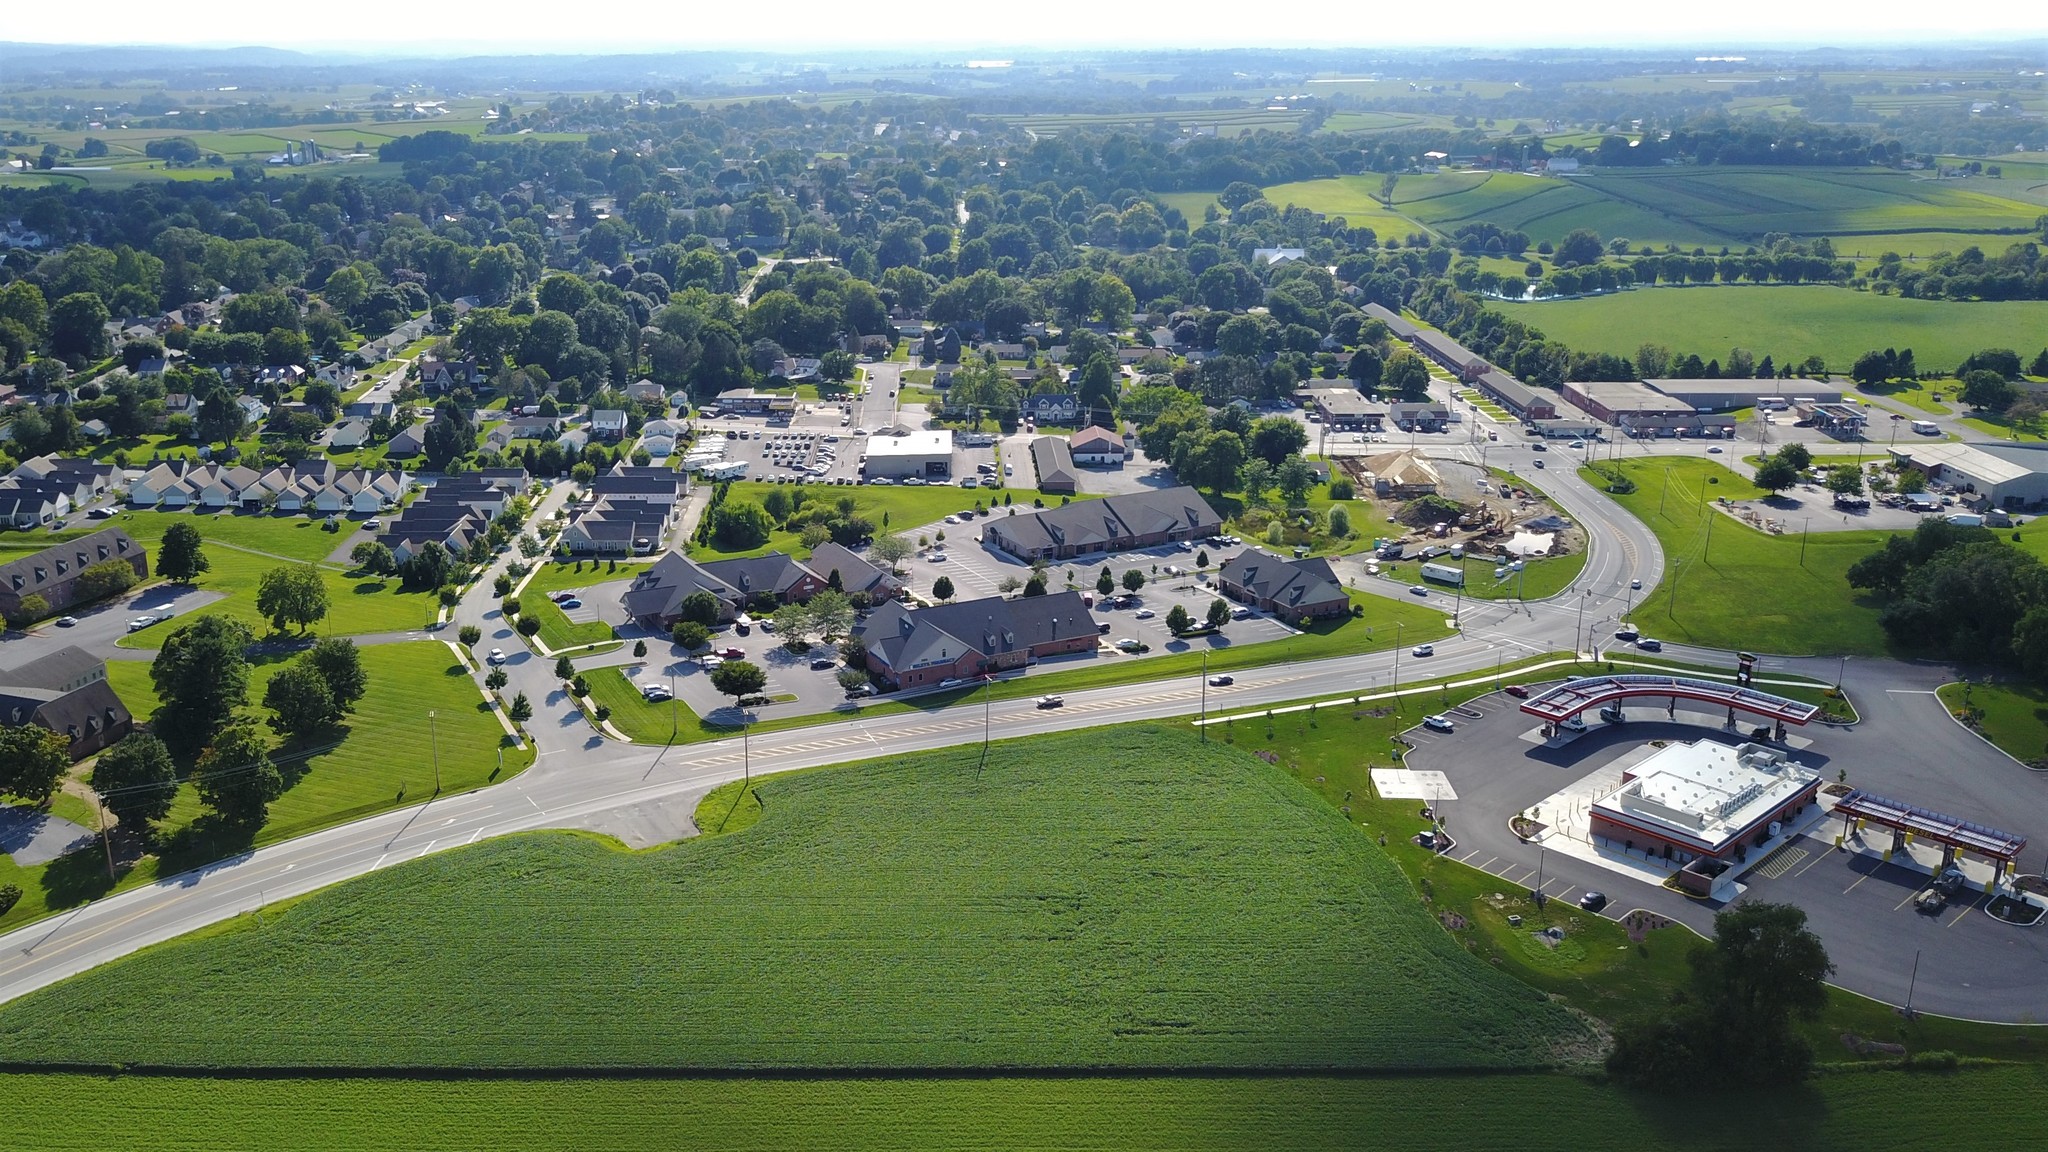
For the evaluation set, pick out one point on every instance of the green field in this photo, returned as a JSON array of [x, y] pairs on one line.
[[1786, 322], [1720, 599], [1353, 197], [1745, 203], [380, 758], [1126, 898], [1539, 578], [1525, 1112], [2015, 716]]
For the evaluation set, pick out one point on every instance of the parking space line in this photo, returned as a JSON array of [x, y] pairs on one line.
[[1908, 900], [1818, 857], [1859, 880], [1488, 866]]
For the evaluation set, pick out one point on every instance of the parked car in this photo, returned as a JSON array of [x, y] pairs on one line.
[[860, 690], [1593, 901], [66, 621], [1128, 645], [1051, 701], [823, 663], [1423, 650], [1241, 613], [655, 692], [559, 596], [1517, 691], [100, 514], [1223, 681], [729, 654], [497, 656], [938, 557], [1439, 723], [571, 602]]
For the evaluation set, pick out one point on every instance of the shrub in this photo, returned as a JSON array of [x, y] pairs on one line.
[[528, 625], [502, 586], [579, 685], [471, 635], [509, 605], [9, 896]]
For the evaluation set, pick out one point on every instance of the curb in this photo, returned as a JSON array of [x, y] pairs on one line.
[[1979, 735]]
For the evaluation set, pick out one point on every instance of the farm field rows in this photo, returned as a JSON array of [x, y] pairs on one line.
[[1132, 898], [1748, 202], [1528, 1112], [1787, 322]]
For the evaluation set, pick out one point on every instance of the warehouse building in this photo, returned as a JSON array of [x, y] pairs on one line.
[[1612, 400], [1728, 395], [1995, 475], [922, 454]]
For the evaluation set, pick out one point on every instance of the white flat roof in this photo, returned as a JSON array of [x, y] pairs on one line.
[[1981, 465], [928, 443], [1706, 793]]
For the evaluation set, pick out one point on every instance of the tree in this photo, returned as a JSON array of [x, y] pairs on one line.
[[292, 594], [1339, 523], [1294, 478], [178, 556], [496, 678], [831, 613], [639, 649], [1776, 474], [738, 525], [1036, 585], [1219, 612], [426, 568], [301, 701], [1133, 580], [521, 710], [1178, 620], [565, 668], [471, 635], [136, 781], [1405, 375], [33, 760], [1105, 583], [1987, 390], [236, 777], [104, 579], [890, 550], [793, 623], [738, 679], [1845, 479], [851, 678], [1763, 971], [373, 558], [1579, 246], [78, 326], [1255, 479], [340, 665], [1275, 439], [701, 607], [28, 610], [202, 677], [942, 589], [690, 635], [1797, 455]]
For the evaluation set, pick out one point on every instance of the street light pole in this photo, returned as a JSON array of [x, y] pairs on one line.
[[1205, 698], [1399, 642], [434, 736]]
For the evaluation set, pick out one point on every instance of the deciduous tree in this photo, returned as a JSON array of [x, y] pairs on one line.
[[136, 781], [292, 594], [178, 556], [236, 777]]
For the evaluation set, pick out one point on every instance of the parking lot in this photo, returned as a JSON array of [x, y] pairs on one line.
[[1861, 907], [811, 690]]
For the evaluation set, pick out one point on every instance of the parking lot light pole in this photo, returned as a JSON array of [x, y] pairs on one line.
[[434, 737]]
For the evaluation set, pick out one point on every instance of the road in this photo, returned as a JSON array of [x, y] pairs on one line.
[[579, 777]]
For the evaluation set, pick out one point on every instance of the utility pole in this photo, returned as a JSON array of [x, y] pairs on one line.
[[434, 736], [1804, 526], [674, 721], [104, 841], [1205, 698], [1911, 983], [1399, 628], [1580, 628]]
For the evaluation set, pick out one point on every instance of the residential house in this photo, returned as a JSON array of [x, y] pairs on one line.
[[409, 442], [1268, 256], [53, 572], [439, 377], [1112, 524], [922, 647], [1053, 408], [66, 692], [1098, 446], [1289, 589], [285, 376], [607, 423], [645, 391], [1055, 466], [32, 503], [349, 434]]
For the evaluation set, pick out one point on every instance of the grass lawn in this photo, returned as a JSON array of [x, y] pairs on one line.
[[1530, 1112], [892, 508], [1538, 579], [355, 604], [1133, 898], [1739, 587], [2015, 716], [1786, 322], [1918, 394], [291, 537], [647, 723], [380, 758]]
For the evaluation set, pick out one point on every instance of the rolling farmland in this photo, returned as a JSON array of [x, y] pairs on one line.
[[1788, 322], [1135, 899]]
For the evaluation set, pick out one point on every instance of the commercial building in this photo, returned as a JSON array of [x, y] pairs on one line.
[[1054, 462], [1402, 329], [53, 572], [1111, 524], [655, 597], [1096, 445], [1290, 589], [747, 402], [1522, 402], [1461, 361], [922, 454], [1728, 395], [921, 647], [1997, 475], [1613, 400], [1346, 409], [1419, 416], [1703, 801], [66, 692]]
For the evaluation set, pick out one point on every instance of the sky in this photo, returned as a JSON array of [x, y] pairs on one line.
[[799, 25]]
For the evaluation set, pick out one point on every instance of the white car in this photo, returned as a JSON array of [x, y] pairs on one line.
[[938, 557], [66, 621], [654, 692], [1423, 650], [497, 656], [140, 622], [1145, 613], [1439, 723]]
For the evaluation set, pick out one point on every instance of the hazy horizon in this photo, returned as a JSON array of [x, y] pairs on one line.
[[641, 26]]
